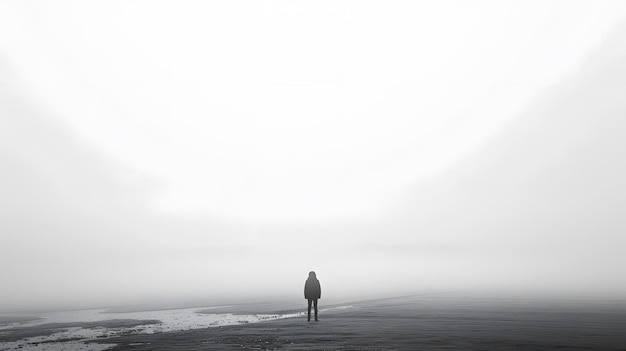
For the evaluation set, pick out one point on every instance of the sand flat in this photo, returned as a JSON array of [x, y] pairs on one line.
[[416, 324]]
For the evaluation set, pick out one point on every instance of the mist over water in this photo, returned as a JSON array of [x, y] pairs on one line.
[[162, 152]]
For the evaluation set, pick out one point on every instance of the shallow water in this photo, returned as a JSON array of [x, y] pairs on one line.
[[69, 335]]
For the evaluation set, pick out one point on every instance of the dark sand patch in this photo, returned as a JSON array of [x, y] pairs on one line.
[[415, 324]]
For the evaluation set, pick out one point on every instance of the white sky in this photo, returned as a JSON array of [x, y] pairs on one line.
[[200, 148], [283, 111]]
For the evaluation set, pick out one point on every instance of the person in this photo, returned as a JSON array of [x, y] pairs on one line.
[[312, 292]]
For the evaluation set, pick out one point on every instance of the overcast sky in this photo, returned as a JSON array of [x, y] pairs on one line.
[[190, 148]]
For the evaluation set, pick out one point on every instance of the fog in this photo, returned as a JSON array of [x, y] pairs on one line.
[[155, 150]]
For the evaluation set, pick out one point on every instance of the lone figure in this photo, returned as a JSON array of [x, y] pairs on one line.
[[312, 292]]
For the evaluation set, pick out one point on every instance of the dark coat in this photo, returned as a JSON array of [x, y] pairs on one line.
[[312, 289]]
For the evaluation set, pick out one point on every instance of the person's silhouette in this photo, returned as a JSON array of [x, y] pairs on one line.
[[312, 292]]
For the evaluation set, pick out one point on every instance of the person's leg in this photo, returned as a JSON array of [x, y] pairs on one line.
[[315, 303], [309, 300]]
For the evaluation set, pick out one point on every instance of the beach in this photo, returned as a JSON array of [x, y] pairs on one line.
[[403, 323]]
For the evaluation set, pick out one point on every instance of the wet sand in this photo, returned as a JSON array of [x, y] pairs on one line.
[[418, 323]]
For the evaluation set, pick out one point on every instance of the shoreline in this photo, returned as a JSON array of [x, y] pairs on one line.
[[417, 322]]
